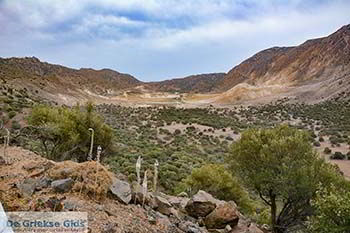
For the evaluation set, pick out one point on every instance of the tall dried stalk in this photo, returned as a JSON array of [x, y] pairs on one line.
[[144, 188], [155, 177]]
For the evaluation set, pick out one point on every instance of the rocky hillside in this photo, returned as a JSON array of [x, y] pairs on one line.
[[49, 81], [314, 71], [323, 63], [29, 182], [201, 83], [313, 60]]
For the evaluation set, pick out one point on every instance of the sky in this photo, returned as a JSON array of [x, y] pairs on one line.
[[161, 39]]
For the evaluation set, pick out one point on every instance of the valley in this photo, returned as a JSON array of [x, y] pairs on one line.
[[185, 124]]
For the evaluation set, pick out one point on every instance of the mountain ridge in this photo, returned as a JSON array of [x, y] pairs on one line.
[[311, 70]]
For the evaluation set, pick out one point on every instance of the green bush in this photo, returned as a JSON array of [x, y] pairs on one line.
[[15, 125], [338, 155], [327, 150], [216, 180], [64, 132], [12, 114]]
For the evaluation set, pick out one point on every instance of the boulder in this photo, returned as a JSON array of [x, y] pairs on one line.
[[163, 206], [42, 183], [201, 204], [121, 190], [190, 227], [224, 214], [27, 187], [178, 202], [63, 185]]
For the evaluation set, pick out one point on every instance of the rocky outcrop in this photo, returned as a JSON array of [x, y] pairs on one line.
[[201, 204], [223, 215], [63, 185], [121, 190]]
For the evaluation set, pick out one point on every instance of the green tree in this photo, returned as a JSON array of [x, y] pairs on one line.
[[63, 132], [280, 165]]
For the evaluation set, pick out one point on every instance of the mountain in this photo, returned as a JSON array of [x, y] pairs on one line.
[[201, 83], [316, 70], [323, 61], [53, 80]]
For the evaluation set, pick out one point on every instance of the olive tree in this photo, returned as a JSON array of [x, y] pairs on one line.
[[280, 165]]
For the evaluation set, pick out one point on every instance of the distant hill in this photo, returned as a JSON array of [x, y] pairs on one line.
[[201, 83]]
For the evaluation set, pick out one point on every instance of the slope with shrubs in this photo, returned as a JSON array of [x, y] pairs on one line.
[[62, 133]]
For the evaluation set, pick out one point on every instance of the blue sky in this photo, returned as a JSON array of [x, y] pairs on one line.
[[161, 39]]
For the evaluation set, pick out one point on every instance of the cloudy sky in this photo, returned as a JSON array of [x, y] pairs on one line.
[[160, 39]]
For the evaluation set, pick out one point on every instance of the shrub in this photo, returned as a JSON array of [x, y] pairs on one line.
[[216, 180], [12, 114], [177, 132], [338, 155], [15, 125], [327, 150], [317, 144], [64, 133]]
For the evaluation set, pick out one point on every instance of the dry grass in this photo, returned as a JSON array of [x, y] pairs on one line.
[[90, 178]]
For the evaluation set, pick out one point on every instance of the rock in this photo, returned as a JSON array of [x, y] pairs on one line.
[[70, 205], [27, 187], [121, 190], [254, 229], [179, 202], [228, 228], [30, 166], [183, 194], [201, 204], [54, 203], [152, 220], [190, 227], [224, 214], [163, 206], [109, 228], [137, 194], [63, 185], [42, 183]]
